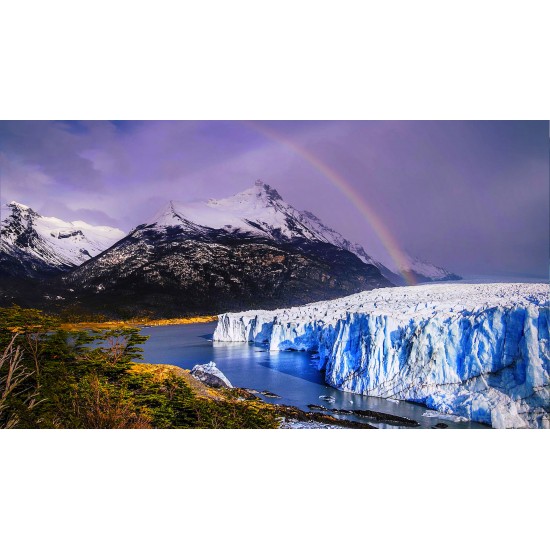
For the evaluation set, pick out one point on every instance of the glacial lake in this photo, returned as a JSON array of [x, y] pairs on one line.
[[292, 375]]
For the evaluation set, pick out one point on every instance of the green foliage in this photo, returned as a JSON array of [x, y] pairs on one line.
[[121, 345], [66, 372], [170, 403], [51, 378], [166, 400], [24, 321], [232, 414]]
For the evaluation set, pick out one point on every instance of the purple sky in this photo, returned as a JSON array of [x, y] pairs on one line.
[[470, 196]]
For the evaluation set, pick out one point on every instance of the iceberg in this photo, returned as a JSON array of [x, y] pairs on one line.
[[479, 351], [210, 375]]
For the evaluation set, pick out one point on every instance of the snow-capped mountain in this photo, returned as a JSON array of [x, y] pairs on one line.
[[260, 210], [423, 271], [32, 244], [249, 249], [477, 351], [35, 244]]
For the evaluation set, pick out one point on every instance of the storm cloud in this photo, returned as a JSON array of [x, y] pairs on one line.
[[470, 196]]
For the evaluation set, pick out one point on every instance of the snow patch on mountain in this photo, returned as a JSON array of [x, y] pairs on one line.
[[425, 271], [477, 351], [259, 210], [56, 243]]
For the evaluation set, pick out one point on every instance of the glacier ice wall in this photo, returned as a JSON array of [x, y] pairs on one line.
[[478, 351]]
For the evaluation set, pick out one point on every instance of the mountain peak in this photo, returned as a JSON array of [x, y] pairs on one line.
[[259, 209], [250, 202], [36, 240], [266, 190], [260, 192], [19, 207]]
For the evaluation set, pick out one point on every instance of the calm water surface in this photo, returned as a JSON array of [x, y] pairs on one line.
[[292, 375]]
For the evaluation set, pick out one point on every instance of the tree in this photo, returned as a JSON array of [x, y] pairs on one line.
[[13, 374]]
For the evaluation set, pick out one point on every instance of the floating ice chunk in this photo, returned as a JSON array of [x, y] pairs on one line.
[[448, 417], [327, 398]]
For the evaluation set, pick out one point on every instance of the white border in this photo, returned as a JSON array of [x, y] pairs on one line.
[[295, 59], [269, 489]]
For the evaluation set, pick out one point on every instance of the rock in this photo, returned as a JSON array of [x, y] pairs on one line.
[[387, 418], [268, 393], [328, 398], [441, 425], [290, 413], [317, 407], [246, 394], [210, 375], [327, 419], [341, 411]]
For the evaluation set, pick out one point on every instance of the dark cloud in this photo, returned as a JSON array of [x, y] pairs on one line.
[[472, 196]]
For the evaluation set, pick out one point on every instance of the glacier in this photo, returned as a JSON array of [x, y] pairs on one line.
[[478, 351]]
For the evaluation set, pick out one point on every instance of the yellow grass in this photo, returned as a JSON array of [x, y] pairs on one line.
[[137, 323], [160, 371]]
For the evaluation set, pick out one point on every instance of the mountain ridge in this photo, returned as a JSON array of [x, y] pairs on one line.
[[258, 210], [249, 250], [33, 245]]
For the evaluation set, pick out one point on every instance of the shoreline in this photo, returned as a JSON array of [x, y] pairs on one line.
[[137, 323], [288, 417]]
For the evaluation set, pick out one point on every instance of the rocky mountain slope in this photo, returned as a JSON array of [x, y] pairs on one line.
[[176, 263]]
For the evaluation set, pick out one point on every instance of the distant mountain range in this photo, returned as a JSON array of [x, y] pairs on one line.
[[34, 246], [249, 250]]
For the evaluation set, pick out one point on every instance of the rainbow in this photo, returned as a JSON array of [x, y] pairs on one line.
[[386, 238]]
